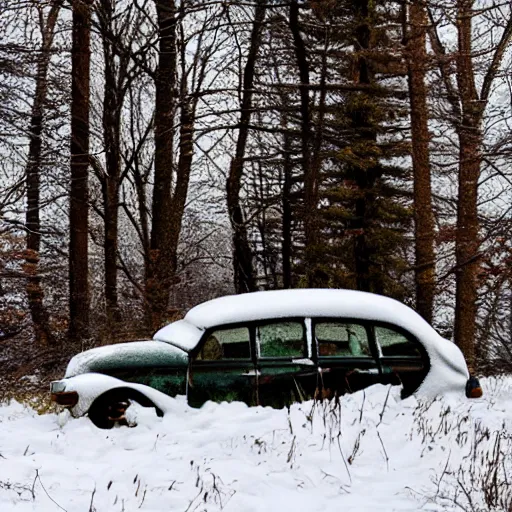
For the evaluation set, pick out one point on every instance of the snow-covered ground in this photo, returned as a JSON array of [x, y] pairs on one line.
[[372, 451]]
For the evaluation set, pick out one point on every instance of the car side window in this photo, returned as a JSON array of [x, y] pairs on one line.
[[395, 344], [281, 339], [341, 339], [226, 344]]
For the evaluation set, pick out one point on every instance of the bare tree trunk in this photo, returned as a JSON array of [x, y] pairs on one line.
[[242, 258], [79, 192], [415, 34], [112, 101], [468, 107], [310, 172], [35, 292], [187, 120], [111, 201], [287, 212], [467, 237], [160, 268], [365, 180]]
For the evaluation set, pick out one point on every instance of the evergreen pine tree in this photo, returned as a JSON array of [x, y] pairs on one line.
[[364, 215]]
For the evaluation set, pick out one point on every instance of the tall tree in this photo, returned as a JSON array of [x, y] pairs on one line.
[[178, 86], [469, 130], [468, 102], [160, 265], [79, 189], [364, 215], [112, 105], [337, 125], [310, 172], [415, 30], [35, 292], [118, 28], [242, 257]]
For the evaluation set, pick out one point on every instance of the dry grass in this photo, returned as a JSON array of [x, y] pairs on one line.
[[36, 400]]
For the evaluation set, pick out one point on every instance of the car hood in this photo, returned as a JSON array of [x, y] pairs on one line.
[[135, 354]]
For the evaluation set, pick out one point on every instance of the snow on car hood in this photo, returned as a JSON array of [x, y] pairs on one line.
[[126, 355]]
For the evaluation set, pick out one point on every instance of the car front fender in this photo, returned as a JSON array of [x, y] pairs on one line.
[[90, 386]]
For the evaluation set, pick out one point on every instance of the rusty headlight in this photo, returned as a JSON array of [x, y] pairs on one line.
[[61, 396]]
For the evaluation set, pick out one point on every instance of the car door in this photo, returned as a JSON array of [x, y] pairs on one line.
[[346, 356], [285, 371], [222, 367]]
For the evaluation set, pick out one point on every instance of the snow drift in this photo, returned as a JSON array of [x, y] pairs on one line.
[[369, 451]]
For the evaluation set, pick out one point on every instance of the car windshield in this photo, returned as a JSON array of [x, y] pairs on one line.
[[226, 344]]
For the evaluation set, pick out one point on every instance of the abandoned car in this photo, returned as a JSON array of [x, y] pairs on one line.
[[267, 348]]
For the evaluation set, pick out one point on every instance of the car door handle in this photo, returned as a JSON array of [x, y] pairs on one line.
[[370, 371], [303, 362]]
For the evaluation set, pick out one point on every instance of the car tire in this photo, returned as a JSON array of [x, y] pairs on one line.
[[110, 407]]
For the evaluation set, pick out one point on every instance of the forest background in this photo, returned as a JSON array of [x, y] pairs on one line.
[[159, 153]]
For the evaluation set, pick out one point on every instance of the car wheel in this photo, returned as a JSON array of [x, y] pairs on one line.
[[110, 408]]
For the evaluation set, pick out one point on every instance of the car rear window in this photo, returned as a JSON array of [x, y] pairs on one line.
[[281, 339], [341, 339], [395, 344]]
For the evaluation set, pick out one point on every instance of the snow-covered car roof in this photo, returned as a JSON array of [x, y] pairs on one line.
[[266, 305]]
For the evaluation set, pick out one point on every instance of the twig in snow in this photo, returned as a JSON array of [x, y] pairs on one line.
[[384, 448], [356, 446], [343, 457], [292, 451], [216, 489], [33, 487], [143, 497], [17, 488], [290, 423], [328, 475], [384, 406], [468, 496], [192, 502], [442, 474], [362, 407], [46, 492], [91, 506]]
